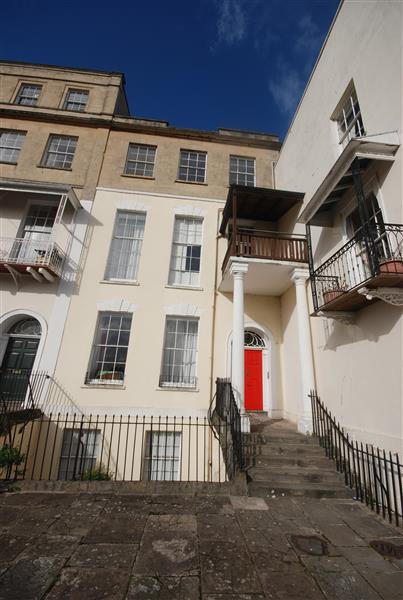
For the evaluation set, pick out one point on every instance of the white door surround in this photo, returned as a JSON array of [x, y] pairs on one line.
[[8, 319], [270, 365]]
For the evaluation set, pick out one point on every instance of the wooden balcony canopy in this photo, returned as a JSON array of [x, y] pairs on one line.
[[257, 204]]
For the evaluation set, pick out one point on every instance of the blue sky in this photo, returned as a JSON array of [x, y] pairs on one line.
[[202, 64]]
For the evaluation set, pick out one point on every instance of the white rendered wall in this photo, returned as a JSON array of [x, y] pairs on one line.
[[358, 367]]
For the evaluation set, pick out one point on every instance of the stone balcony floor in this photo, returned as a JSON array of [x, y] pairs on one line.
[[72, 545]]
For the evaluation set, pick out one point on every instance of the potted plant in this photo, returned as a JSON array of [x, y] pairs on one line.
[[332, 289], [392, 265]]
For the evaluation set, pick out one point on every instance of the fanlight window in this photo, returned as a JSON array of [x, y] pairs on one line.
[[26, 327], [253, 340]]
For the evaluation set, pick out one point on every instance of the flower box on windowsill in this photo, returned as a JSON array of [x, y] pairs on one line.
[[392, 266], [107, 378], [331, 295]]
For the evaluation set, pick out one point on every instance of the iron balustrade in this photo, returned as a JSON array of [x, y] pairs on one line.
[[375, 475], [226, 422], [20, 389], [29, 252], [270, 245], [351, 266], [118, 448]]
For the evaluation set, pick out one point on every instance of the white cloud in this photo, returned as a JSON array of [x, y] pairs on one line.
[[286, 88], [308, 38], [231, 22], [287, 85]]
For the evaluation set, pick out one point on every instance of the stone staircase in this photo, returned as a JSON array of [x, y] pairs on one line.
[[284, 462]]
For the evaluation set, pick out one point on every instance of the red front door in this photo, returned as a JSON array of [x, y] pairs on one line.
[[253, 380]]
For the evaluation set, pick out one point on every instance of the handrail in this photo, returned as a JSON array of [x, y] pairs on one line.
[[351, 265], [23, 251], [373, 474], [267, 245], [225, 420], [268, 233]]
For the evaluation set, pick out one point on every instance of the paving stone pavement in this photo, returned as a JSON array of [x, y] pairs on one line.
[[140, 547]]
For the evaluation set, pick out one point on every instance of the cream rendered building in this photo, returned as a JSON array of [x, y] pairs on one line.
[[54, 128], [343, 150]]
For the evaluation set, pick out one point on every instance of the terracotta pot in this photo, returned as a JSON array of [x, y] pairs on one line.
[[331, 295], [392, 266]]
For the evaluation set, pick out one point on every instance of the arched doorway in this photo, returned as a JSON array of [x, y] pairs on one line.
[[255, 346], [23, 341]]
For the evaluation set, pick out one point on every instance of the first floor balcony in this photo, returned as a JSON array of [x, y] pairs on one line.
[[348, 279], [252, 222], [37, 224], [36, 257]]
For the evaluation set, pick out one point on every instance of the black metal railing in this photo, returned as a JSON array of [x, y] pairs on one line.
[[20, 389], [375, 475], [117, 447], [355, 263], [226, 422]]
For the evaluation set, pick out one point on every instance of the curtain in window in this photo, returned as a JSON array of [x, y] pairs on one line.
[[161, 462], [186, 251], [124, 254], [180, 351]]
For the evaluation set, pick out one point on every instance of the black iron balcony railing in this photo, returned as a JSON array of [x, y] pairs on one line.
[[359, 261], [270, 245]]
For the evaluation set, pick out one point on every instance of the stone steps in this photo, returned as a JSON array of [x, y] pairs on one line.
[[306, 461], [273, 449], [297, 474], [287, 463], [290, 488]]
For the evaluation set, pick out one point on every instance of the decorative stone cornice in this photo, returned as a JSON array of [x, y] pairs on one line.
[[116, 305], [183, 310], [389, 295]]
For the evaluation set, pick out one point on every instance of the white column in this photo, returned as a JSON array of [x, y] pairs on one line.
[[238, 270], [299, 278]]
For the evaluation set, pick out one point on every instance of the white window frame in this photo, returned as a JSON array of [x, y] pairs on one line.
[[48, 152], [180, 274], [69, 457], [238, 174], [15, 149], [94, 361], [153, 456], [184, 163], [81, 106], [21, 96], [348, 130], [140, 164], [168, 381], [139, 240]]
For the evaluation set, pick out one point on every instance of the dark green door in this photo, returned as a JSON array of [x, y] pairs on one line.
[[16, 368]]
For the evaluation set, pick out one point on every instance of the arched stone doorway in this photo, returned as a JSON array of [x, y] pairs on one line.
[[24, 337]]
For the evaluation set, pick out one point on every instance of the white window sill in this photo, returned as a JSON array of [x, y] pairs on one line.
[[181, 388], [119, 282], [97, 385], [184, 287], [191, 182], [138, 176]]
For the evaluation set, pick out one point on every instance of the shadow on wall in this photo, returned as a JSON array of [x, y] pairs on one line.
[[371, 324], [88, 219]]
